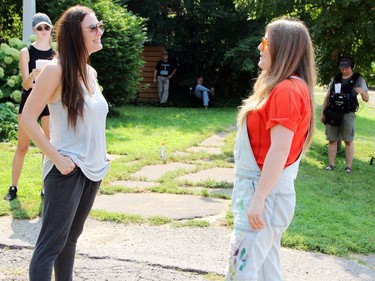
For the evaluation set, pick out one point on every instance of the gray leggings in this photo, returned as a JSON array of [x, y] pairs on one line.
[[67, 203]]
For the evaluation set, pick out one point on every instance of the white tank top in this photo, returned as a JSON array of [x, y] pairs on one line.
[[86, 145]]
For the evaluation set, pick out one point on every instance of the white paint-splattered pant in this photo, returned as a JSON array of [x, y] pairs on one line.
[[255, 256]]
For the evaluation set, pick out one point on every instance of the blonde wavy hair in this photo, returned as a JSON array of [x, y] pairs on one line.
[[292, 52]]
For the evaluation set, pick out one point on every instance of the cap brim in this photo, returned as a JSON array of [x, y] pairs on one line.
[[42, 22]]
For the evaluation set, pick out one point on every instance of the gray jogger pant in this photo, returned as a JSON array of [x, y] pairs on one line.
[[67, 202], [163, 89]]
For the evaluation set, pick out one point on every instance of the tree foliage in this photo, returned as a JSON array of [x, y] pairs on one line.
[[209, 38], [213, 38], [338, 27], [10, 19]]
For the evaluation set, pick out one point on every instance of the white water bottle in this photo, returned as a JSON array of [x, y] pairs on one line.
[[163, 152]]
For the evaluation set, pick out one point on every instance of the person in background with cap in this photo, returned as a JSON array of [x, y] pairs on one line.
[[164, 71], [347, 128], [40, 49]]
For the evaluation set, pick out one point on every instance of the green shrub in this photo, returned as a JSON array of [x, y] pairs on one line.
[[119, 63], [10, 77], [8, 121], [10, 88]]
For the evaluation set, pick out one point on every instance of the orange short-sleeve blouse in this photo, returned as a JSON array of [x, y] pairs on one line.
[[288, 105]]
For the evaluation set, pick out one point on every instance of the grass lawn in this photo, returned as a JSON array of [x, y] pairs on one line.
[[335, 211]]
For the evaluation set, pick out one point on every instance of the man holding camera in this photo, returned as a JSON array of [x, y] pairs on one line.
[[338, 110]]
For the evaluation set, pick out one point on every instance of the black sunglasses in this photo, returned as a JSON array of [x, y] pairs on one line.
[[94, 28], [46, 27]]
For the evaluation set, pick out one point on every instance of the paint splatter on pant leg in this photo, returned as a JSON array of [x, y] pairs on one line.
[[241, 244], [255, 255], [238, 258], [246, 255], [242, 236]]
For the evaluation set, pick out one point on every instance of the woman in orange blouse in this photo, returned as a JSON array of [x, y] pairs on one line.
[[275, 125]]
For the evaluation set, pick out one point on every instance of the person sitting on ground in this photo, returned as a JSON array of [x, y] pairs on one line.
[[202, 92]]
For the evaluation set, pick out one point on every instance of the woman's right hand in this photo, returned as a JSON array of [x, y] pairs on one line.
[[255, 214], [35, 73], [65, 165]]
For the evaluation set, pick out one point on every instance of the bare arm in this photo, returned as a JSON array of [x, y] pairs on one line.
[[155, 72], [281, 141], [46, 89], [364, 94], [27, 78], [173, 72]]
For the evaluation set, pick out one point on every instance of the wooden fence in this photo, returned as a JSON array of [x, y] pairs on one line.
[[149, 90]]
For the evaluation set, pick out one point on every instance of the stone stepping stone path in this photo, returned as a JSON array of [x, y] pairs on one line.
[[135, 184], [214, 174], [199, 189], [211, 145], [200, 149], [214, 140], [174, 206], [154, 172]]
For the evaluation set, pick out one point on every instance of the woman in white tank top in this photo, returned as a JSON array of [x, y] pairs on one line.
[[76, 160]]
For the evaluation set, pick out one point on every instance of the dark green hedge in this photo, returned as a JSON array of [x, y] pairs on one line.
[[118, 64]]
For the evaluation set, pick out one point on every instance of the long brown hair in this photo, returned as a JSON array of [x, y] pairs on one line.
[[73, 57], [292, 52]]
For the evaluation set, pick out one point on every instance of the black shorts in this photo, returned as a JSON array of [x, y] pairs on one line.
[[25, 95]]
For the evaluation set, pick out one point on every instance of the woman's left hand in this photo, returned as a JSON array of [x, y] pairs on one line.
[[255, 214]]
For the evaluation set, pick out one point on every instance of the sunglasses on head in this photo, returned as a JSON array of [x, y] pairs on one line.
[[46, 27], [265, 43], [94, 28]]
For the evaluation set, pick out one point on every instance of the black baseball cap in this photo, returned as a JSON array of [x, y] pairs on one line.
[[345, 62]]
